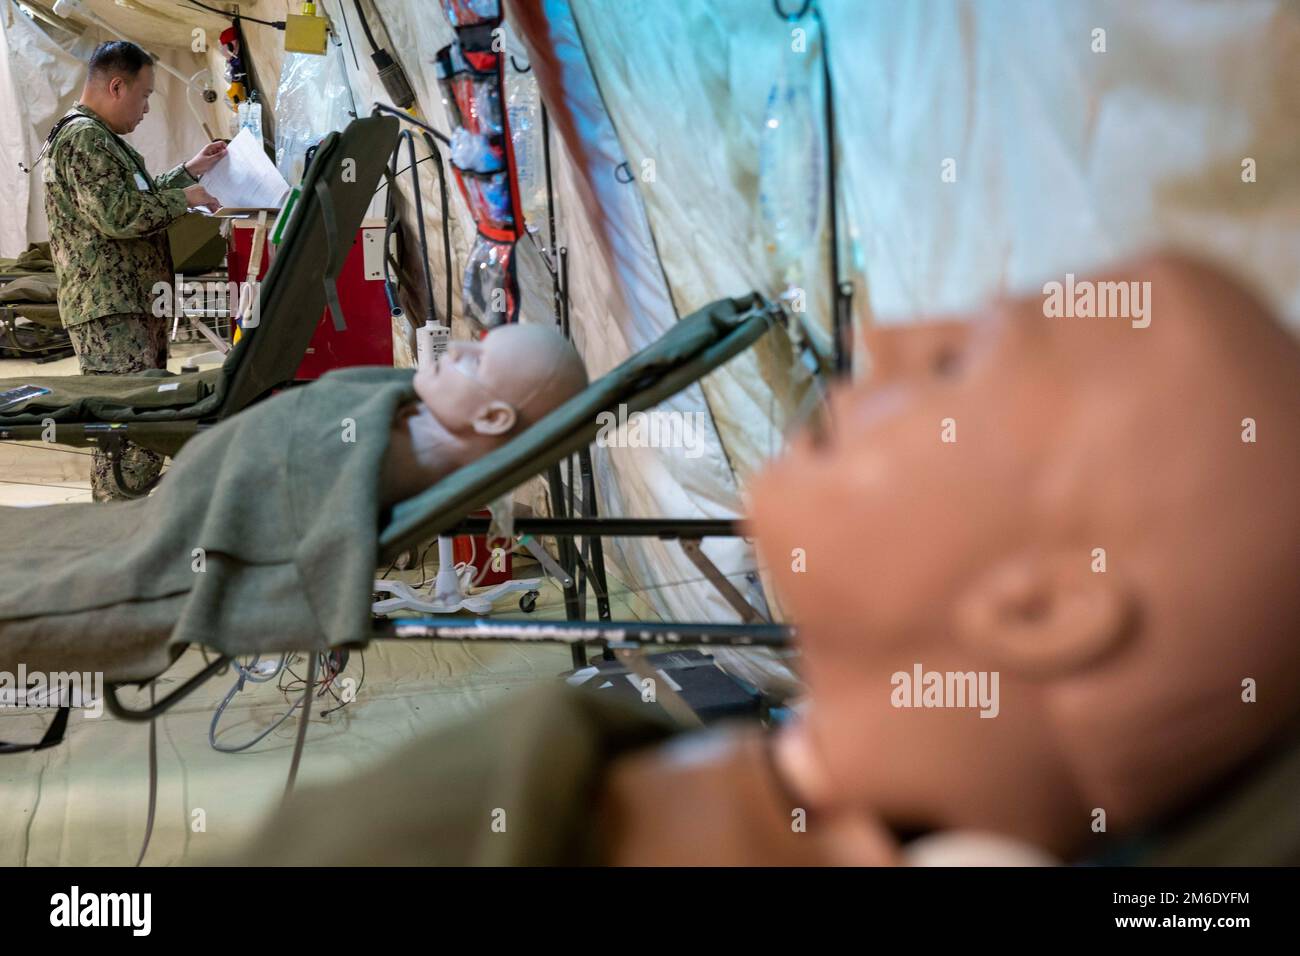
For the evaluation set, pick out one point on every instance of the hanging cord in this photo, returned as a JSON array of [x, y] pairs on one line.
[[841, 320], [277, 24], [365, 27], [247, 675], [432, 312], [153, 780], [435, 153], [302, 727]]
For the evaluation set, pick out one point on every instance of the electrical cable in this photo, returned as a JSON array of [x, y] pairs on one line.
[[45, 446], [432, 308], [302, 727], [246, 675], [343, 15], [277, 24], [390, 71], [399, 172], [432, 146], [365, 27], [153, 780]]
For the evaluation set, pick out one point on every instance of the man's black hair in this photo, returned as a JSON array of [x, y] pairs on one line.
[[118, 58]]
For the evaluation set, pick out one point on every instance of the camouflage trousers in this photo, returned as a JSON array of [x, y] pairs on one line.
[[117, 345]]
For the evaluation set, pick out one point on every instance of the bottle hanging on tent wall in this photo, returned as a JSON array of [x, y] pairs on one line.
[[791, 162], [523, 104]]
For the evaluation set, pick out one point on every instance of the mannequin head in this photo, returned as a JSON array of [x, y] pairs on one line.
[[483, 392], [118, 84], [1120, 689]]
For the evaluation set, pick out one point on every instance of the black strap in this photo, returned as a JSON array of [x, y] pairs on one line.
[[75, 114], [53, 735], [332, 263]]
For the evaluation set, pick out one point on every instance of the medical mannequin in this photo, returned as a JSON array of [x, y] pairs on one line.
[[478, 395], [952, 520]]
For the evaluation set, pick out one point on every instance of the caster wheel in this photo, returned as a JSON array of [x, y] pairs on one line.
[[528, 603]]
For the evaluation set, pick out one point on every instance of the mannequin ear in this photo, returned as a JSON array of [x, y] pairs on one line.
[[494, 418], [1042, 614]]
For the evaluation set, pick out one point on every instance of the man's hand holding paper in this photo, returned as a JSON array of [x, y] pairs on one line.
[[244, 177]]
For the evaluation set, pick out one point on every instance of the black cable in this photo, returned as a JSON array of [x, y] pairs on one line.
[[277, 24], [400, 171], [365, 26], [302, 725], [432, 310], [153, 780], [839, 319], [408, 118], [343, 15], [446, 216]]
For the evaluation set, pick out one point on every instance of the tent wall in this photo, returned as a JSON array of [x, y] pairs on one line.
[[1064, 157]]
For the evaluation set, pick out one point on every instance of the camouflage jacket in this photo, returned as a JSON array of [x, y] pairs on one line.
[[108, 221]]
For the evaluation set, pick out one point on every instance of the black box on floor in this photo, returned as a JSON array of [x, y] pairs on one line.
[[709, 690]]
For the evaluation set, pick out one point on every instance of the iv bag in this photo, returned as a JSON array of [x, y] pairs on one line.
[[525, 112], [790, 164]]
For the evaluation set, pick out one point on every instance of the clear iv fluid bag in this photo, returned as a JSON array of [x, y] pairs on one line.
[[790, 165], [525, 111]]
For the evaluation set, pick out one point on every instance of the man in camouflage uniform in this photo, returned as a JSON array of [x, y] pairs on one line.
[[108, 221]]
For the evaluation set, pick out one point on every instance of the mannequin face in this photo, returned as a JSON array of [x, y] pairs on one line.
[[489, 388], [1117, 688]]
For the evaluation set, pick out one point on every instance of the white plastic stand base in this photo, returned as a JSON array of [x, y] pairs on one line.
[[447, 593]]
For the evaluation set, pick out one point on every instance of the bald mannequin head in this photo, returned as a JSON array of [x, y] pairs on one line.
[[1068, 503], [478, 396], [490, 389]]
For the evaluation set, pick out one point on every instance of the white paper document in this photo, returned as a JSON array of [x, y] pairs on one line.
[[246, 178]]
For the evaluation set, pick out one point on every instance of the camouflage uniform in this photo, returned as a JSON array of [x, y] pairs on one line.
[[119, 345], [108, 220]]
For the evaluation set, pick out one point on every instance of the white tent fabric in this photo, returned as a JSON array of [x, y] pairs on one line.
[[1065, 158], [41, 73]]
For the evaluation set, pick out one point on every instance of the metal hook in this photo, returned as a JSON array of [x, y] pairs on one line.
[[792, 17], [628, 167]]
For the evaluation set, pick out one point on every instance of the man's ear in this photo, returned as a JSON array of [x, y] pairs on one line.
[[494, 418], [1045, 613]]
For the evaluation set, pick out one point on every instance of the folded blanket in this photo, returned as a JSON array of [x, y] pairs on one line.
[[36, 258], [261, 537]]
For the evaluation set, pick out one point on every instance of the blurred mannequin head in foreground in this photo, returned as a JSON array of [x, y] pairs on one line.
[[1048, 565]]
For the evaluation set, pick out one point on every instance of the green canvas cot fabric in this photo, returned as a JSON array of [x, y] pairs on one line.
[[151, 396], [535, 763], [261, 538], [34, 297], [41, 287]]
